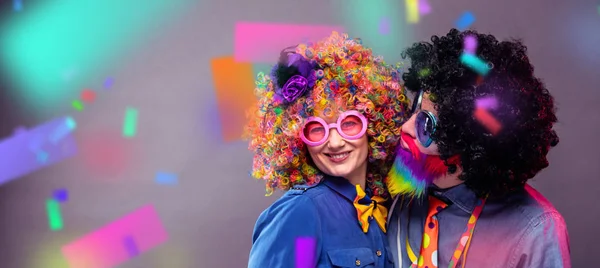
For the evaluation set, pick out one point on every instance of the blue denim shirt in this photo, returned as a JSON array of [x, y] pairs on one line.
[[326, 213], [519, 230]]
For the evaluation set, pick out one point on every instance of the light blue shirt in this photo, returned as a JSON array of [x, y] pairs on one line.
[[326, 213], [519, 230]]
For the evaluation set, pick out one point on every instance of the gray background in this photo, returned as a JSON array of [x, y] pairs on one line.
[[210, 214]]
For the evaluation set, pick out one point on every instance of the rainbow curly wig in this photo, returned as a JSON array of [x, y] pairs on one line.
[[342, 74]]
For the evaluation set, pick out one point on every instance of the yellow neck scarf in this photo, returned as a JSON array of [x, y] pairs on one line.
[[375, 209]]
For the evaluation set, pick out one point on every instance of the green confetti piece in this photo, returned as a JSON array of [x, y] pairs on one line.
[[77, 105], [278, 110], [54, 218], [130, 122]]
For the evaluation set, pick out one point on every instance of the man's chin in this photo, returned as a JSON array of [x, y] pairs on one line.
[[412, 177]]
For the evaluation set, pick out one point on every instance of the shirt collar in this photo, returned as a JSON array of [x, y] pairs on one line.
[[459, 195], [345, 188]]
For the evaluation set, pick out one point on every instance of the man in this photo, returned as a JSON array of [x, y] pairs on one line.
[[481, 127]]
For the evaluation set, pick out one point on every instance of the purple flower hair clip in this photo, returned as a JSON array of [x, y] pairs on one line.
[[293, 76]]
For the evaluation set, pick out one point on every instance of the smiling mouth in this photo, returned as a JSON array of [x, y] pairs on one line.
[[338, 156]]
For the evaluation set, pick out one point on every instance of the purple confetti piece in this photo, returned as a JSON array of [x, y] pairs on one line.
[[384, 26], [424, 7], [108, 83], [27, 151], [488, 103], [131, 246], [305, 252], [61, 195], [470, 44]]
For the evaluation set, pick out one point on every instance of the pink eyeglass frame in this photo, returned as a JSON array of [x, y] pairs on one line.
[[336, 125]]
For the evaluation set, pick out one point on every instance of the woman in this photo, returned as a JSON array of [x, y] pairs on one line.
[[324, 130]]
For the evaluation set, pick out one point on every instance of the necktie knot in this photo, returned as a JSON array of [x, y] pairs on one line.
[[369, 210]]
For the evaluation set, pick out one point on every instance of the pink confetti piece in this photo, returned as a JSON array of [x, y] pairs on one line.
[[424, 7], [262, 42], [470, 44], [105, 247], [488, 103]]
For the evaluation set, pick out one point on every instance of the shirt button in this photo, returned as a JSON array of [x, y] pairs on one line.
[[357, 262], [378, 253]]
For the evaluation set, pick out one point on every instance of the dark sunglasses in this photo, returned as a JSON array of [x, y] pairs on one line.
[[425, 123]]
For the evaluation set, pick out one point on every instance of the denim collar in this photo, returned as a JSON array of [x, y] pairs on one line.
[[459, 195], [345, 188]]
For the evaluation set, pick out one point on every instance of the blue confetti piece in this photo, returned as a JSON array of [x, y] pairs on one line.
[[131, 246], [475, 63], [465, 20], [17, 5], [61, 195], [165, 178]]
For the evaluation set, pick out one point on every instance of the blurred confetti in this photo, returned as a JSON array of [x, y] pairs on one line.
[[424, 72], [465, 20], [470, 45], [17, 5], [424, 7], [105, 246], [131, 246], [234, 96], [260, 42], [61, 195], [63, 130], [488, 103], [88, 95], [54, 217], [487, 120], [475, 63], [77, 105], [130, 122], [412, 11], [305, 252], [108, 83], [19, 155], [384, 26], [165, 178]]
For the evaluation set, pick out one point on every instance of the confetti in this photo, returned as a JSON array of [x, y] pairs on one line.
[[234, 96], [424, 72], [305, 252], [105, 247], [488, 103], [77, 105], [470, 44], [424, 7], [61, 195], [384, 26], [412, 11], [131, 246], [63, 130], [475, 63], [54, 218], [165, 178], [465, 20], [28, 151], [17, 5], [260, 42], [488, 121], [108, 83], [88, 95], [130, 122]]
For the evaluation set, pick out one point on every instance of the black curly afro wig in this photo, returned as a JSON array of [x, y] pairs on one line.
[[492, 164]]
